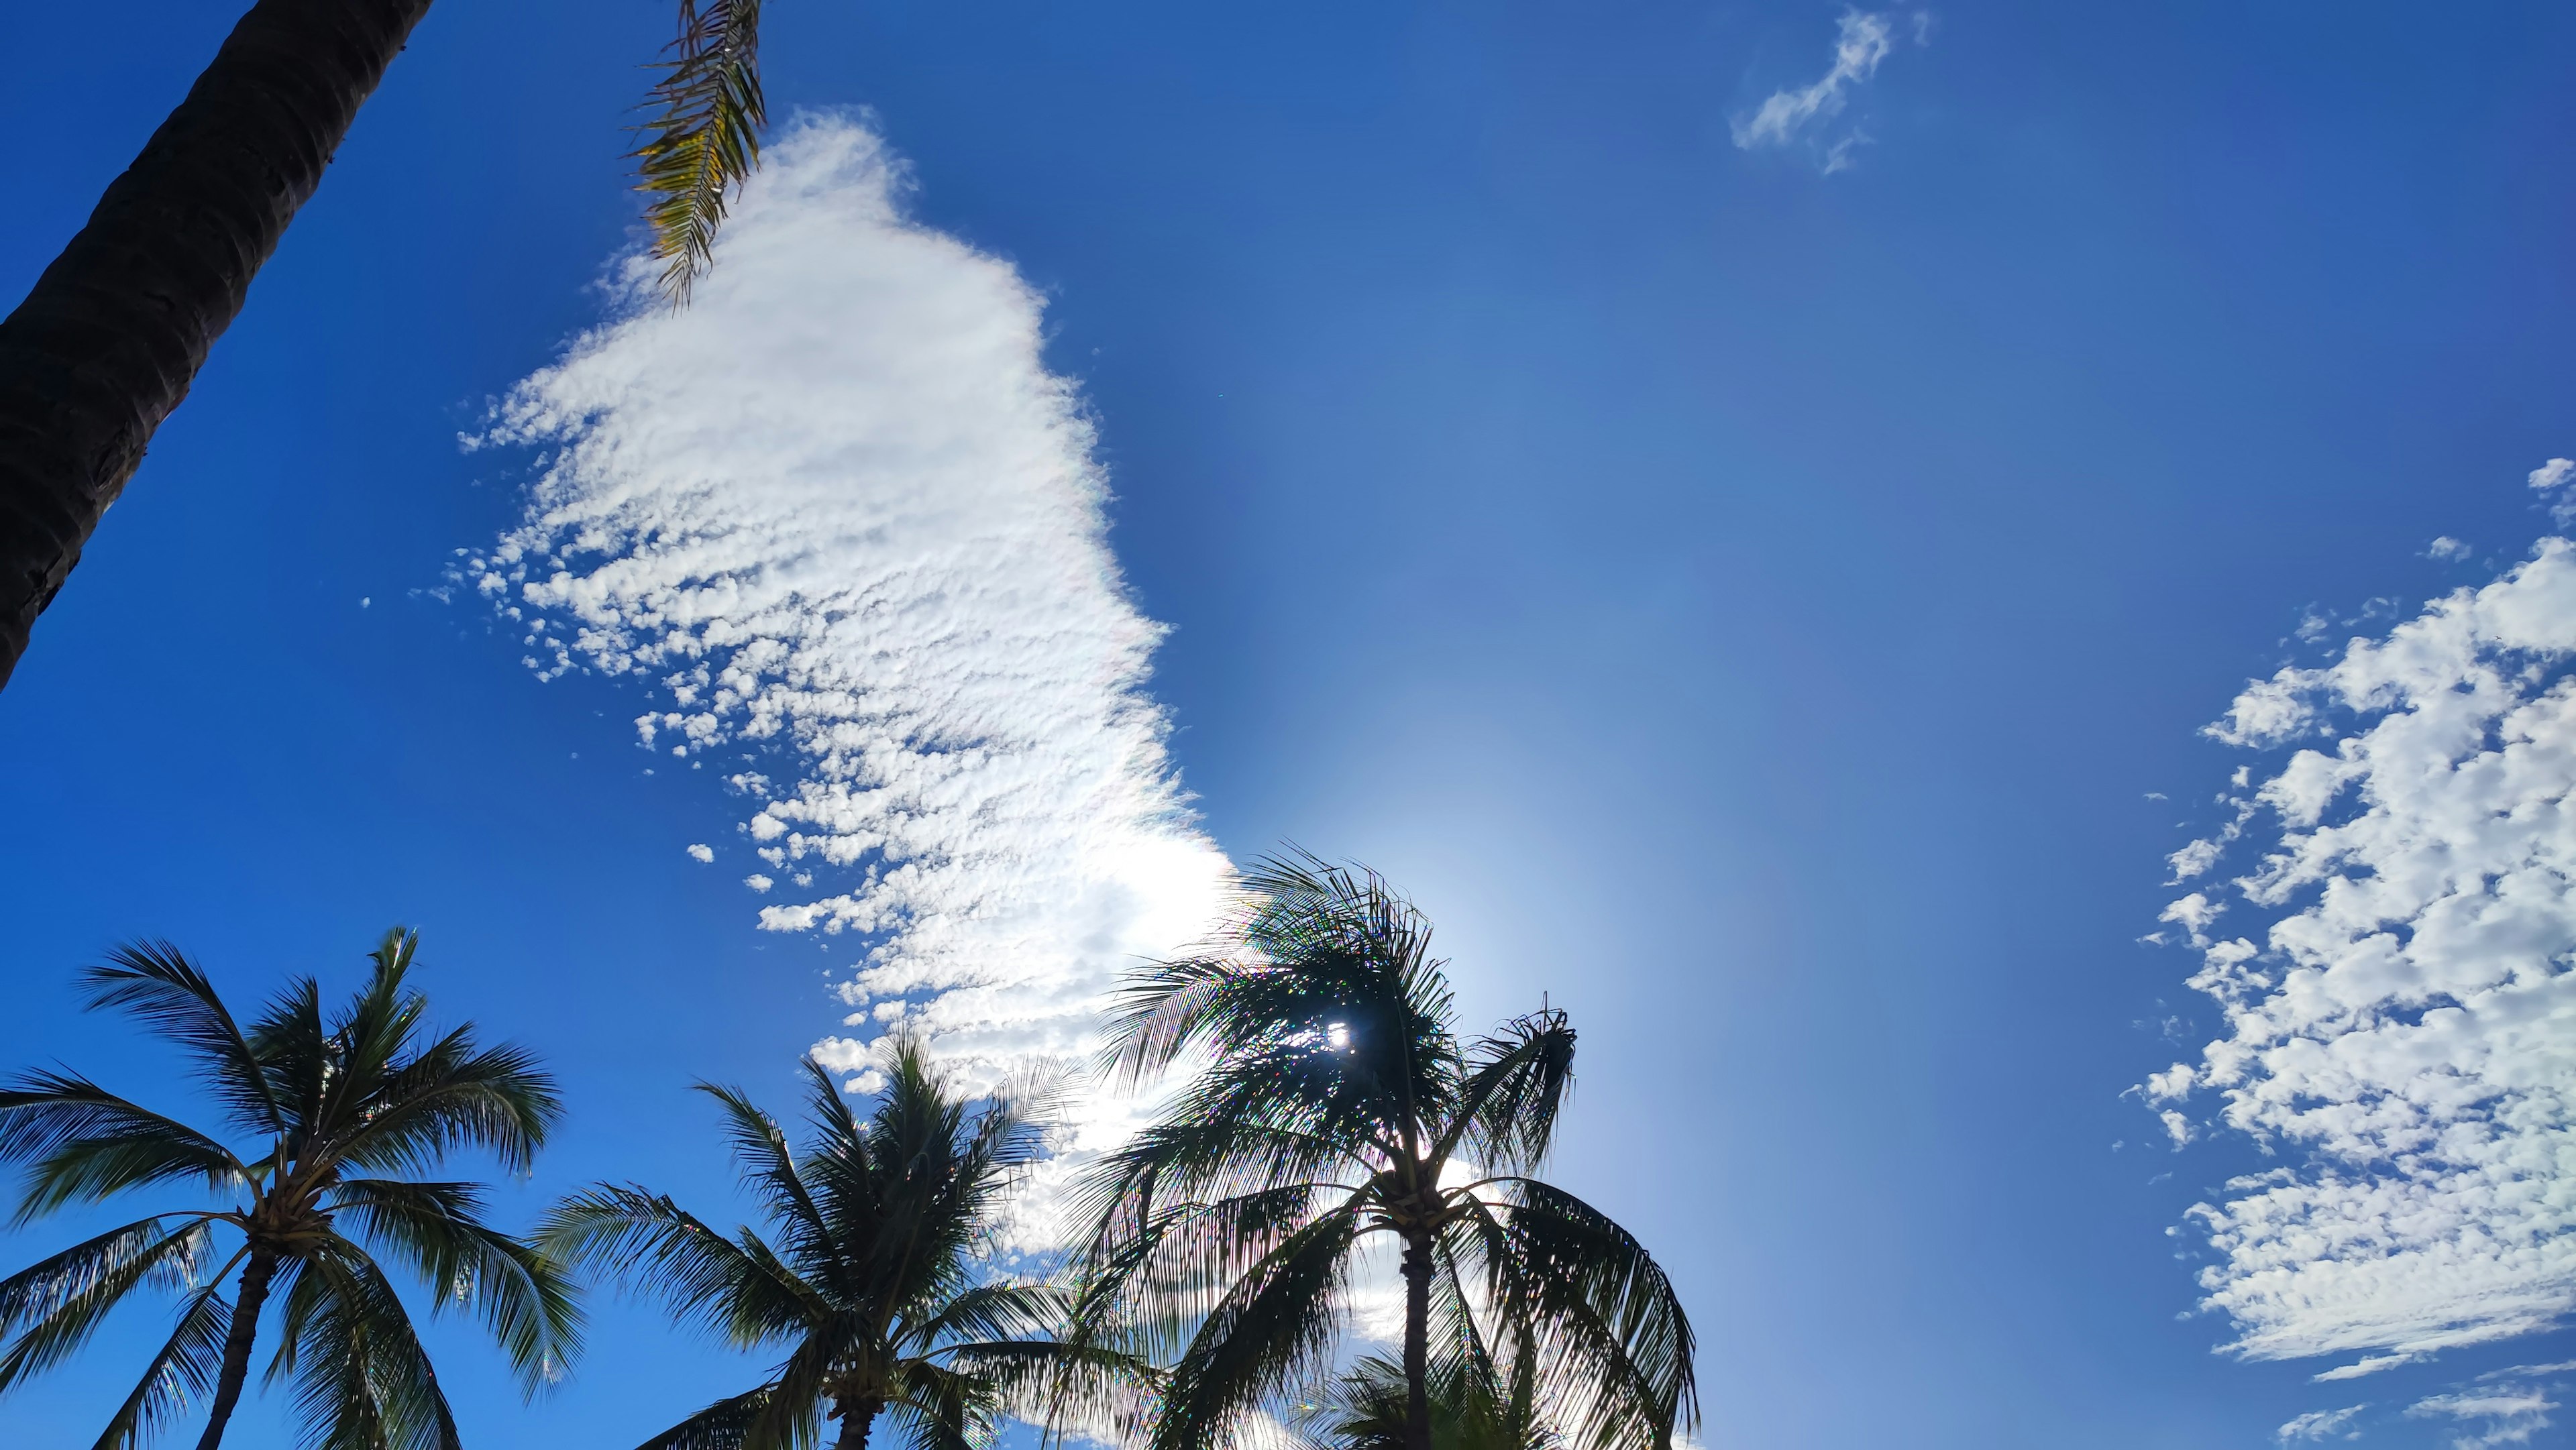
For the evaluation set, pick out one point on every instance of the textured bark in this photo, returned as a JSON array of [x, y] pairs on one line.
[[1417, 1342], [857, 1418], [237, 1340], [114, 331]]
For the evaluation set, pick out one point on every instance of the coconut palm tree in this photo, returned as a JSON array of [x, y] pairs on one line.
[[344, 1111], [107, 342], [874, 1280], [1337, 1107]]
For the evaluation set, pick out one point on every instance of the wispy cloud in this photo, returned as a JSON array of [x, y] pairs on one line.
[[848, 528], [2505, 1408], [1862, 41], [2396, 1028], [2322, 1425]]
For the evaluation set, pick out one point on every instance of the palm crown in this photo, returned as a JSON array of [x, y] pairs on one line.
[[874, 1282], [1336, 1105], [345, 1109]]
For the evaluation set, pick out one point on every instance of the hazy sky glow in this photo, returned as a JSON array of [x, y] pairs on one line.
[[1749, 514]]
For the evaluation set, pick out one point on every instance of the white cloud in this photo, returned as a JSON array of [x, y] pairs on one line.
[[2398, 1031], [2322, 1424], [701, 853], [1862, 40], [2447, 549], [842, 519], [2555, 474], [2513, 1415]]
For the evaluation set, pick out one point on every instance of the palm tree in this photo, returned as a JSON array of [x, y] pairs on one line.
[[1336, 1107], [1472, 1407], [874, 1286], [346, 1110], [107, 342]]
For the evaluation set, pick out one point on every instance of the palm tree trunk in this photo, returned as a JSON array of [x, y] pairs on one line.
[[1417, 1342], [857, 1416], [114, 331], [237, 1341]]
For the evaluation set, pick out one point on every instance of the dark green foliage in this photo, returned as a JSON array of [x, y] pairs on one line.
[[872, 1279], [342, 1108], [1472, 1408], [1337, 1105]]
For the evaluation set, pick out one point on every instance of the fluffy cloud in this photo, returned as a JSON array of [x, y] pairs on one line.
[[2400, 1029], [845, 524], [1861, 42]]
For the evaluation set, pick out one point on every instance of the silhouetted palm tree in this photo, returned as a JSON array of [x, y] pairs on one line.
[[347, 1109], [876, 1285], [1336, 1106], [109, 339]]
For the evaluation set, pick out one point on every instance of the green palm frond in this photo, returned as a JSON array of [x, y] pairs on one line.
[[655, 1247], [938, 1408], [81, 1142], [704, 138], [181, 1373], [176, 1000], [362, 1379], [56, 1305], [724, 1425], [523, 1298], [453, 1096]]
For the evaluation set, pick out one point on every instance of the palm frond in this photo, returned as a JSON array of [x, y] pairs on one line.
[[1274, 1328], [175, 999], [182, 1372], [767, 1165], [80, 1141], [1067, 1390], [938, 1408], [522, 1297], [723, 1425], [456, 1095], [294, 1044], [362, 1379], [55, 1306], [1614, 1344], [704, 139], [655, 1247], [1517, 1081]]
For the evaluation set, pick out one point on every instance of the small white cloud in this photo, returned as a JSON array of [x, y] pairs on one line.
[[2359, 1368], [1862, 41], [2555, 474], [758, 882], [365, 601], [2447, 549], [2322, 1424], [701, 853]]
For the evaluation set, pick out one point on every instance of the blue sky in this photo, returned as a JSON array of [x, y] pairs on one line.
[[1751, 604]]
